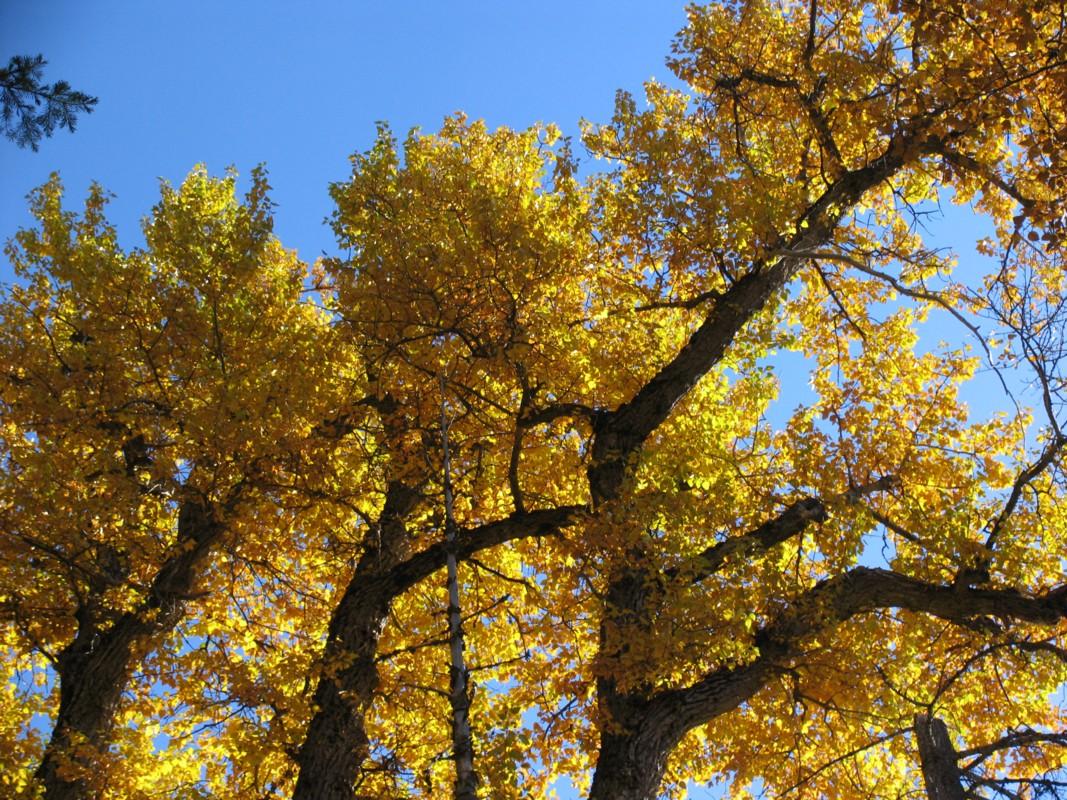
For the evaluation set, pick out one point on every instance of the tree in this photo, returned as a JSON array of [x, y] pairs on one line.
[[245, 506], [153, 402], [22, 95]]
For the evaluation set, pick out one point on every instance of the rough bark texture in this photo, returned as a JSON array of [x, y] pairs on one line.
[[635, 746], [95, 667], [643, 730], [628, 721], [336, 745], [938, 758]]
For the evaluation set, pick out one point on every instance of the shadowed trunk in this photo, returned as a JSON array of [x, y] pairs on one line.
[[628, 725], [337, 744], [633, 753], [938, 757], [641, 732], [95, 667]]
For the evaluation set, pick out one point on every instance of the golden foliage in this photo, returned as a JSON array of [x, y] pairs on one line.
[[222, 468]]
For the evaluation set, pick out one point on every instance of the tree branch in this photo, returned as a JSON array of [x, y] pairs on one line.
[[545, 522], [795, 519], [620, 433], [825, 605]]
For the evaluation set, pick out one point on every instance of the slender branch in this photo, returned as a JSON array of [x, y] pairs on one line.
[[690, 303], [544, 522], [967, 164], [557, 411], [1015, 739], [875, 742], [795, 519], [923, 295], [1022, 480]]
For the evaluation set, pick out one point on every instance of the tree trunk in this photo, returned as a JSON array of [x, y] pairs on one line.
[[95, 667], [336, 744], [633, 748], [639, 733], [941, 773], [627, 769], [466, 785], [618, 435], [93, 671]]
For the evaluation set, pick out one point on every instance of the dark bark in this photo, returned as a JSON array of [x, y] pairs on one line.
[[793, 520], [619, 435], [642, 731], [529, 524], [635, 762], [938, 758], [94, 669], [336, 744]]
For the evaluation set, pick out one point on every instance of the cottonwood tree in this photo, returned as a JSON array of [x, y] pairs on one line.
[[153, 404], [986, 768], [675, 565]]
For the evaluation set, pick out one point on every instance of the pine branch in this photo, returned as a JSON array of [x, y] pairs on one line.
[[30, 109]]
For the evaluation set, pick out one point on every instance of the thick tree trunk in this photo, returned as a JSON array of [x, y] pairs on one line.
[[639, 733], [620, 434], [93, 672], [336, 744], [94, 669], [941, 773], [643, 731], [627, 769]]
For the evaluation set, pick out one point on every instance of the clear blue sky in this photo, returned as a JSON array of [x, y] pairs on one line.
[[300, 86]]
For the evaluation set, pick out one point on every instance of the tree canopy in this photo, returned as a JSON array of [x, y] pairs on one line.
[[523, 459]]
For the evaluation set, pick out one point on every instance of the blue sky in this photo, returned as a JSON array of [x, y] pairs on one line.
[[299, 86]]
